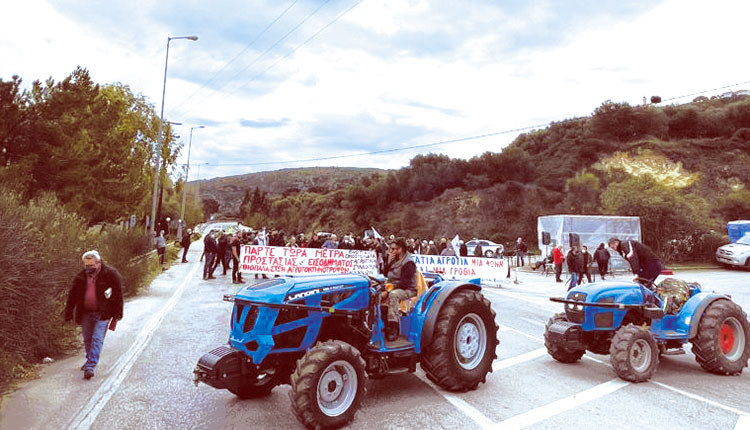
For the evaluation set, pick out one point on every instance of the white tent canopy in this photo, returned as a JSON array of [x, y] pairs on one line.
[[591, 229]]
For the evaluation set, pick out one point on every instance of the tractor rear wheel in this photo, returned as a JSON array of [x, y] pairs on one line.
[[560, 352], [722, 345], [463, 344], [328, 385], [634, 354], [256, 386]]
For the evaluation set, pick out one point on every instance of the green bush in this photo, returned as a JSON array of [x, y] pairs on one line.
[[40, 254]]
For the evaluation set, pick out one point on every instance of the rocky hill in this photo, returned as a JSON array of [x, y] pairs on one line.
[[229, 191]]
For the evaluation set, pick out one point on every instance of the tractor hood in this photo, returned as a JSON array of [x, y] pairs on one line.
[[625, 292], [287, 289]]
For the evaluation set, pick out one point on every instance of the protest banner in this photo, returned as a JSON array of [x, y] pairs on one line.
[[279, 260], [490, 270]]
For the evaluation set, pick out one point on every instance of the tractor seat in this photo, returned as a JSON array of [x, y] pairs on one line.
[[405, 306]]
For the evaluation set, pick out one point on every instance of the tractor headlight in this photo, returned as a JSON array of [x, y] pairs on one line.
[[579, 307], [687, 321]]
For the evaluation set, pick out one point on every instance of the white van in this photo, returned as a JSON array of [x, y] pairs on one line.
[[735, 254]]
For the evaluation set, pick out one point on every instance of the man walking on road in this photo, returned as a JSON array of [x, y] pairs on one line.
[[185, 242], [96, 298], [210, 249]]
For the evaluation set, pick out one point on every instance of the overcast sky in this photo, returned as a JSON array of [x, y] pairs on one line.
[[279, 81]]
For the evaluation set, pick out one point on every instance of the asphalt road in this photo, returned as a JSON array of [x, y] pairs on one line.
[[144, 380]]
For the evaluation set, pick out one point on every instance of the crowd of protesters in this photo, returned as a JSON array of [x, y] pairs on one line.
[[221, 248]]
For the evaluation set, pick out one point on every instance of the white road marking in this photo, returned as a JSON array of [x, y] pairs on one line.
[[518, 359], [743, 423], [539, 301], [515, 330], [702, 399], [88, 414], [470, 411], [534, 322], [559, 406]]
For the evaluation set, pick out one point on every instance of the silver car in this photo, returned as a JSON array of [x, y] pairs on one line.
[[489, 248]]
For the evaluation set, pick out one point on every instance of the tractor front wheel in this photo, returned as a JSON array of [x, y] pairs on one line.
[[328, 385], [634, 354], [722, 345], [463, 344], [557, 351]]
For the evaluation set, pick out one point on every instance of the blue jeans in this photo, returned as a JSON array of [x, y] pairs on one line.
[[573, 280], [94, 331]]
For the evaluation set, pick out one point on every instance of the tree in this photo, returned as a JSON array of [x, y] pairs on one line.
[[582, 194]]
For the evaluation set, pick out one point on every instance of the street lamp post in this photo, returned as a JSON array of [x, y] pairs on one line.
[[184, 184], [160, 138]]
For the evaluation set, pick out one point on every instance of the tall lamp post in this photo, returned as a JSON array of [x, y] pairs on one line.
[[184, 184], [160, 138]]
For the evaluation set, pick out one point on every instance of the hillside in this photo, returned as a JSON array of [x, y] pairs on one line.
[[682, 168], [229, 191]]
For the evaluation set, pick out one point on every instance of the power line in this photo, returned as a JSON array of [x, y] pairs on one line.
[[229, 81], [705, 91], [302, 44], [383, 151], [252, 42]]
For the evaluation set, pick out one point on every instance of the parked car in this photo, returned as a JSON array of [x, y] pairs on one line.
[[489, 248], [735, 254]]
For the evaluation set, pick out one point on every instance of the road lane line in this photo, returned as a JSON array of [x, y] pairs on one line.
[[522, 333], [88, 414], [702, 399], [559, 406], [518, 359], [544, 303], [534, 322], [743, 423], [470, 411]]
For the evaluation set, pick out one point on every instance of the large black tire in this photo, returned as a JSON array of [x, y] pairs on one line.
[[559, 352], [463, 343], [257, 386], [634, 353], [722, 344], [328, 385]]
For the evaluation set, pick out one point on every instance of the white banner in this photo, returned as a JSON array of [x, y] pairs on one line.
[[280, 260], [490, 270]]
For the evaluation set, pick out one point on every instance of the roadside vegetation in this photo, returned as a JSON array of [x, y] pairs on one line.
[[73, 154]]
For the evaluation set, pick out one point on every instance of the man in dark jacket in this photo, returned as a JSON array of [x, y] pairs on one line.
[[601, 256], [575, 265], [587, 258], [401, 272], [210, 249], [185, 242], [95, 298], [643, 261]]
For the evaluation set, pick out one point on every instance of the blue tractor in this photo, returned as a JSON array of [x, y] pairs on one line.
[[637, 322], [324, 336]]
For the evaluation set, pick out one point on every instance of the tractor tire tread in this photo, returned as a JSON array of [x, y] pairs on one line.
[[303, 382], [437, 359], [619, 354], [706, 342]]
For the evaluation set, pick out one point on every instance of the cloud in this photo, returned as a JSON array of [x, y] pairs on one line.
[[264, 123]]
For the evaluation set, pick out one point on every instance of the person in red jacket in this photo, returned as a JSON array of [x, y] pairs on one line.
[[558, 258]]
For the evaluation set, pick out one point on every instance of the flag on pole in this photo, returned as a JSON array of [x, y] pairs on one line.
[[456, 245], [375, 234]]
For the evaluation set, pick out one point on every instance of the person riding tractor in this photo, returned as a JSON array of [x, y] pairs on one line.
[[401, 271]]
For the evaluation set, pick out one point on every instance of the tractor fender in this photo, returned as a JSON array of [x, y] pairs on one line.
[[692, 312], [446, 290]]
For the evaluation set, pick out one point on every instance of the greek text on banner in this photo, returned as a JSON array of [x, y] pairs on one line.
[[279, 260]]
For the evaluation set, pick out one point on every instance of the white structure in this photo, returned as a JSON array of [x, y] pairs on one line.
[[592, 231]]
